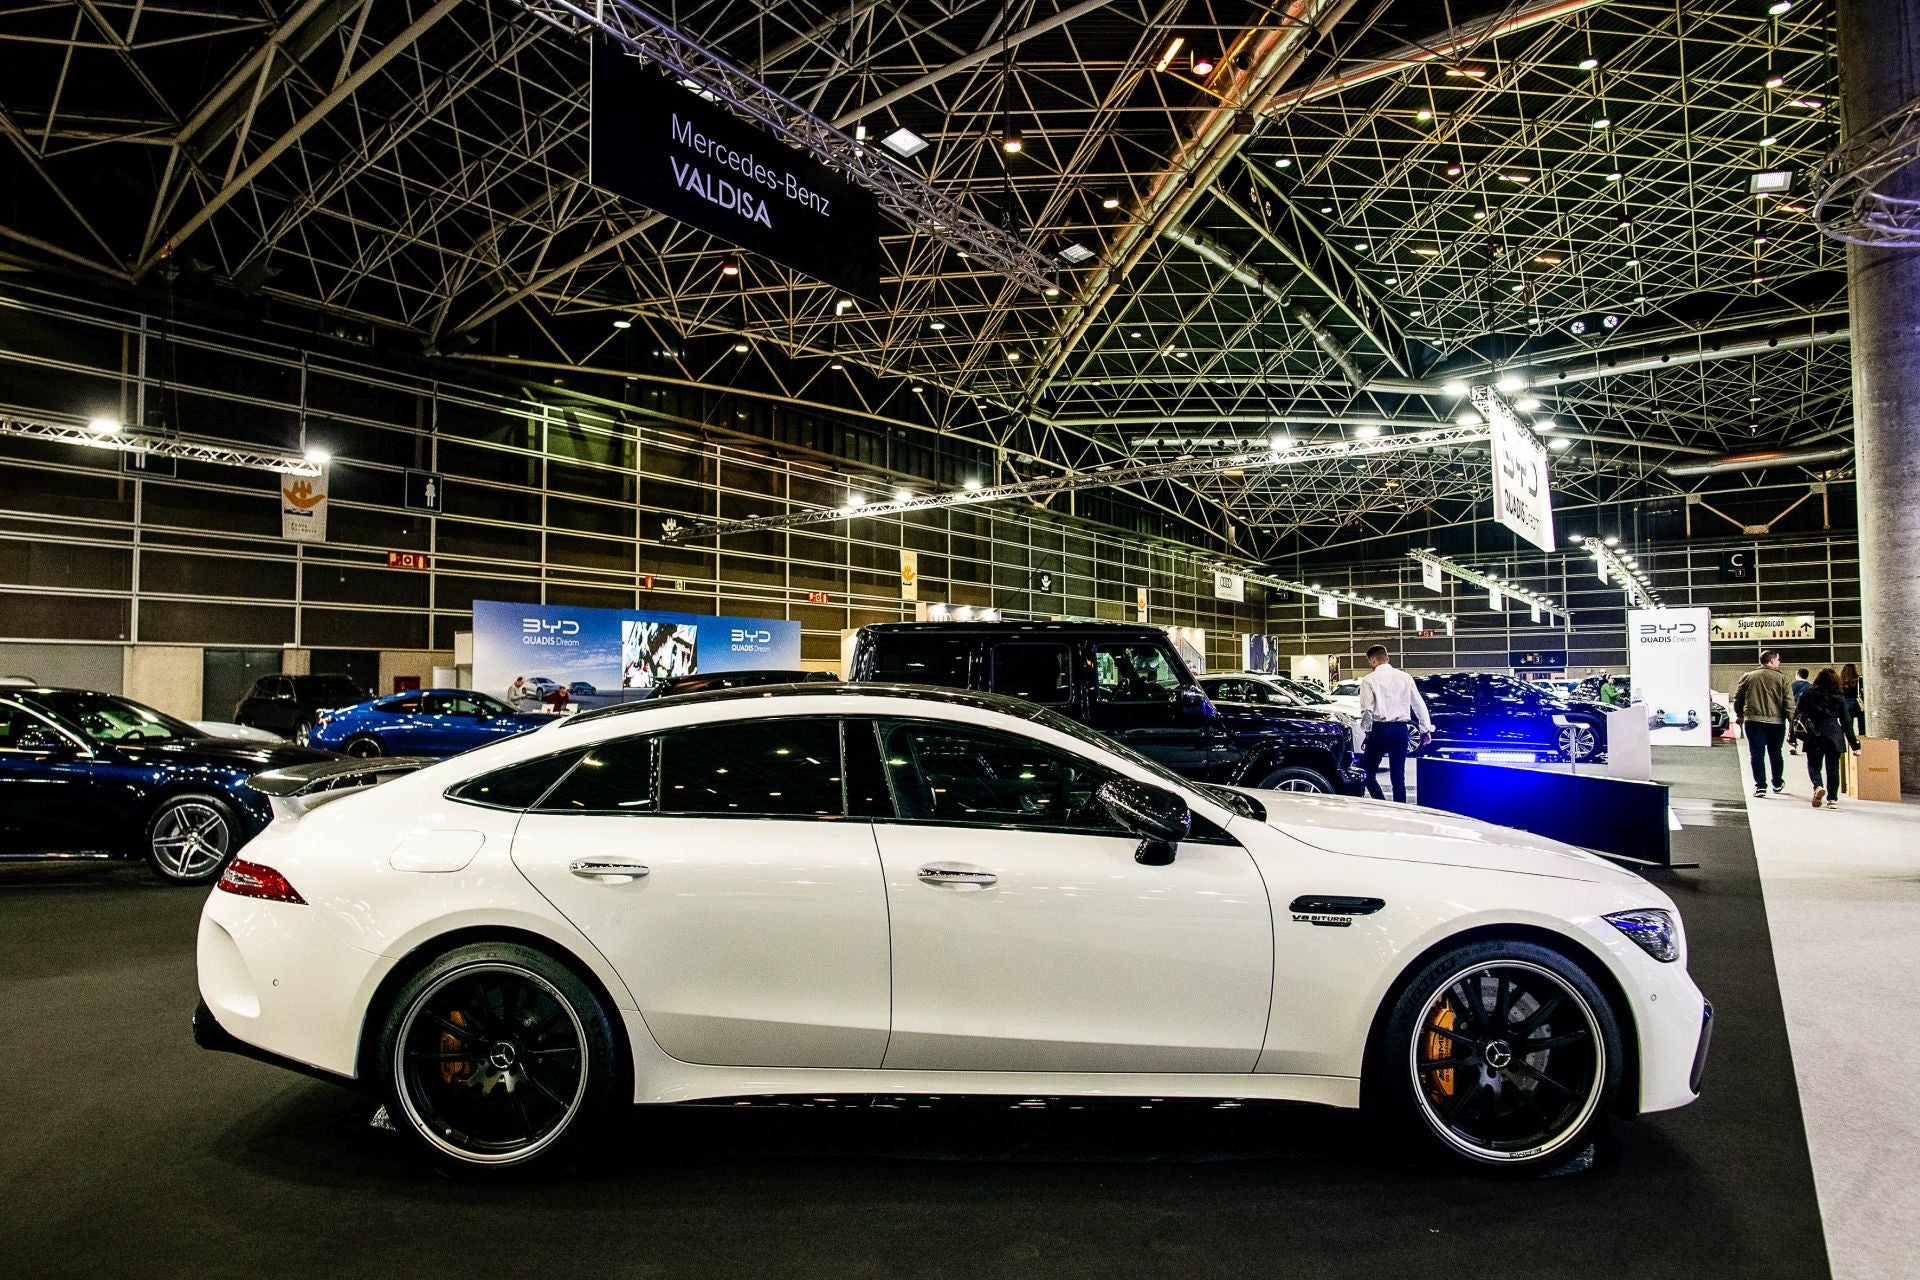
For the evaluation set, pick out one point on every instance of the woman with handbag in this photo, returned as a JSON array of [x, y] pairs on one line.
[[1826, 728], [1854, 691]]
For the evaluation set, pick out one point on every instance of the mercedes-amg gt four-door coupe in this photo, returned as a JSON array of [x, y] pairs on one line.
[[859, 889]]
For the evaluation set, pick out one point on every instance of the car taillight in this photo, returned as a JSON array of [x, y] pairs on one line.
[[254, 880]]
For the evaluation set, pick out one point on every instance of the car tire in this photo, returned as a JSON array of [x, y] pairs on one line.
[[191, 838], [1448, 1071], [363, 746], [1296, 777], [302, 732], [456, 1050]]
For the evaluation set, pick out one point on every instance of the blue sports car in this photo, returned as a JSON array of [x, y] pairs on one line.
[[421, 722], [86, 774]]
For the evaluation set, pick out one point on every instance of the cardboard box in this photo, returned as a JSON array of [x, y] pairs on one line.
[[1876, 773]]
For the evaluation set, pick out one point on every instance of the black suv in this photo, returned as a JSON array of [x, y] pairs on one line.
[[1481, 715], [1127, 682], [287, 705]]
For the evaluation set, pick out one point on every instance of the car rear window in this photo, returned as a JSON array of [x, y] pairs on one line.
[[337, 689]]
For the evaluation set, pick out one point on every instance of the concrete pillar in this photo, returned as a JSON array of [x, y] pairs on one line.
[[167, 678], [1879, 73]]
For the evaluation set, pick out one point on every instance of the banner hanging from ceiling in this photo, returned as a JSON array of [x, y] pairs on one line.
[[303, 507], [671, 149], [1522, 500]]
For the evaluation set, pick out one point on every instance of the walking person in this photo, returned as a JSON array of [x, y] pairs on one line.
[[1390, 704], [1822, 709], [1854, 690], [1800, 686], [1762, 701]]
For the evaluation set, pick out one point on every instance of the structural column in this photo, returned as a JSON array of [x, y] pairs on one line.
[[1879, 74]]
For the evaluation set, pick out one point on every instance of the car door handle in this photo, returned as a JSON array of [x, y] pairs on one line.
[[600, 869], [942, 873]]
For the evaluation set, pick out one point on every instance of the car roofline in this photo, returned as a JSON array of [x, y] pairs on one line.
[[818, 689]]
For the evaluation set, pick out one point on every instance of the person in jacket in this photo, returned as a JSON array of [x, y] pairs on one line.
[[1822, 709], [1800, 685], [1854, 690], [1762, 703]]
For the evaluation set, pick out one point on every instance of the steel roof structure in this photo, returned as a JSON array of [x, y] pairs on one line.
[[1340, 211]]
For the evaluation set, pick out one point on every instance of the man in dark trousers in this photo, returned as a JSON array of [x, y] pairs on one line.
[[1390, 704], [1762, 705]]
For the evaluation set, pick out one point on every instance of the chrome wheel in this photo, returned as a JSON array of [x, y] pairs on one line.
[[1577, 741], [1508, 1061], [1299, 784], [190, 840], [491, 1063]]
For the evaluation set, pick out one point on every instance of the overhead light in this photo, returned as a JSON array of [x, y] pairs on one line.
[[1467, 73], [903, 495], [623, 324], [1468, 418], [937, 325], [1202, 64], [836, 365], [1454, 388], [741, 347], [1639, 297], [1284, 162], [1454, 170], [318, 456], [1052, 291], [1013, 357], [104, 426], [1811, 104], [918, 390], [1771, 140], [904, 142], [1326, 208], [1548, 259], [1779, 7], [1560, 444], [1775, 82], [1544, 425], [1166, 59], [1610, 322], [859, 133], [1508, 383], [1588, 64], [1614, 177], [1111, 202], [1075, 254], [729, 268], [1602, 122], [1360, 245], [1770, 182], [1365, 432], [1423, 113], [1526, 404], [1010, 140], [1521, 178], [1479, 214], [856, 499], [1577, 328], [1280, 444], [971, 485], [1613, 540], [1133, 333], [1393, 280]]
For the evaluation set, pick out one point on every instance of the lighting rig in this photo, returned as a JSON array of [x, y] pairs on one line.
[[1284, 453], [1621, 569], [106, 433], [1418, 613], [1507, 588]]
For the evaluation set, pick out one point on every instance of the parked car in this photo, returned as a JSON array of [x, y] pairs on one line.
[[531, 689], [1266, 690], [674, 686], [288, 705], [1126, 681], [937, 892], [581, 689], [421, 722], [238, 732], [1719, 711], [84, 773], [1481, 715]]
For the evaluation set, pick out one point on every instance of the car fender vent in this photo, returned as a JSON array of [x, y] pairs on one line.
[[1335, 905]]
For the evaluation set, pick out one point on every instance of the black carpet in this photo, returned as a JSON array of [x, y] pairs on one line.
[[126, 1151]]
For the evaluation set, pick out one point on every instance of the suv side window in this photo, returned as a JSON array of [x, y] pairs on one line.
[[923, 659], [956, 775], [1037, 672], [1134, 673], [753, 768]]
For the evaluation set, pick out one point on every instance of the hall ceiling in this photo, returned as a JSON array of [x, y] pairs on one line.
[[1416, 190]]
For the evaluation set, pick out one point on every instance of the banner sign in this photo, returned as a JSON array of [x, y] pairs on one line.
[[1764, 626], [303, 507], [1668, 655], [1430, 576], [1522, 500], [1393, 620], [1140, 604], [1329, 607], [1229, 586], [662, 145], [1260, 653], [1533, 613], [1495, 601], [521, 652], [909, 575], [1600, 563]]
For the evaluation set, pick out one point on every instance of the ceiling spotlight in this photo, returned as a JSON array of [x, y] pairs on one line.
[[1454, 171], [1052, 291], [1509, 383], [836, 365], [1610, 322], [1166, 59], [1602, 122], [903, 495], [918, 389], [318, 456], [1479, 214], [856, 500], [1280, 444], [623, 324], [904, 142], [1468, 418], [1393, 280], [1549, 259], [1614, 177], [1774, 82], [1423, 113], [1365, 433], [104, 426], [1779, 7], [1111, 202], [971, 486], [1577, 328], [1284, 162], [1771, 140], [1467, 73], [729, 268], [1202, 64], [937, 325], [1326, 208], [1527, 404], [1543, 425], [1013, 357], [1589, 64], [1360, 245], [1770, 182], [1521, 179], [741, 347], [1560, 444], [1454, 388], [1010, 140]]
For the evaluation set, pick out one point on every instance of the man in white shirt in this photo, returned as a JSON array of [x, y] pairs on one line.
[[1390, 704]]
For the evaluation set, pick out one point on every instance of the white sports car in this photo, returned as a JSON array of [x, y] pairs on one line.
[[872, 889]]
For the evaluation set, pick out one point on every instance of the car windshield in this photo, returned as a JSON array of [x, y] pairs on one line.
[[1305, 692], [105, 718]]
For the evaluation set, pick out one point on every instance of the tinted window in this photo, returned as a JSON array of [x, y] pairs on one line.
[[335, 689], [105, 718], [518, 786], [1036, 672], [614, 777], [1135, 673], [23, 731], [399, 706], [946, 773], [465, 704], [777, 768], [866, 789], [922, 659]]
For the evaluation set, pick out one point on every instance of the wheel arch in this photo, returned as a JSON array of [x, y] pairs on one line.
[[427, 950], [1569, 948], [1291, 755]]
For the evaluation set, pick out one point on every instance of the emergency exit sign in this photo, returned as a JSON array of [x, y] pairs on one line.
[[419, 560], [816, 597]]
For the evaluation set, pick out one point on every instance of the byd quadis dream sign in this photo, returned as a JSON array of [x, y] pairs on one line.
[[1522, 500], [1668, 655]]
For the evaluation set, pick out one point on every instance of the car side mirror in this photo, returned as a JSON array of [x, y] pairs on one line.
[[1160, 818], [1191, 699]]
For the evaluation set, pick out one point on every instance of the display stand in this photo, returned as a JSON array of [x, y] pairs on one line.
[[1622, 819]]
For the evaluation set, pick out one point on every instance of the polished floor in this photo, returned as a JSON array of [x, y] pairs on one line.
[[126, 1151]]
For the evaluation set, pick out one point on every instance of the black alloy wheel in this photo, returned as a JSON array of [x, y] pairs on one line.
[[1507, 1054], [1296, 777], [364, 747], [497, 1055]]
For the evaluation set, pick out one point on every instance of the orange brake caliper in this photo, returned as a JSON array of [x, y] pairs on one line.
[[454, 1070]]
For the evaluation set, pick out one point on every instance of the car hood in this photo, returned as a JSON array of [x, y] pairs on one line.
[[1410, 833], [252, 756]]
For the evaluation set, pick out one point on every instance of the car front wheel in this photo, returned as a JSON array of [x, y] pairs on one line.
[[190, 838], [364, 746], [1578, 741], [303, 732], [1296, 777], [496, 1055], [1503, 1054]]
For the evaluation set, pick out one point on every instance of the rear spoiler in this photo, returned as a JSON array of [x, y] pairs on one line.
[[297, 788]]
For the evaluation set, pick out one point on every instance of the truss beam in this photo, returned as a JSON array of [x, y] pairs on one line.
[[182, 448]]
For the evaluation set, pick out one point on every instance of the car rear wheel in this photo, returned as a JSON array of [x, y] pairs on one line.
[[496, 1055], [1504, 1054], [364, 746], [190, 838], [1578, 741], [303, 731], [1296, 777]]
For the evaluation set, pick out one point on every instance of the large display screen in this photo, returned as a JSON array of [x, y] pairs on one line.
[[523, 652]]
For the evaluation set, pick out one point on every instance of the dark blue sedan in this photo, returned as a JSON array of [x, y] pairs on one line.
[[86, 774], [421, 722]]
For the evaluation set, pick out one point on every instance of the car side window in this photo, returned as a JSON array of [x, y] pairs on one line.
[[753, 768], [450, 704], [923, 659], [400, 707], [518, 786], [1037, 672], [21, 730], [611, 777], [1134, 673], [955, 775]]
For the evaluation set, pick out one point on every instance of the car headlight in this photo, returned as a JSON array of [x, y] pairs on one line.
[[1652, 929]]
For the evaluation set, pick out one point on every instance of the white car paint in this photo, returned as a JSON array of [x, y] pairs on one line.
[[237, 732], [777, 956]]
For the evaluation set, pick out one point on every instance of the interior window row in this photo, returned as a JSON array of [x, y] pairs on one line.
[[812, 768]]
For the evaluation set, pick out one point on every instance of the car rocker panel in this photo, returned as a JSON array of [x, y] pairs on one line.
[[781, 954]]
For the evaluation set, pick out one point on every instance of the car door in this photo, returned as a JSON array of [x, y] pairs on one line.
[[1512, 718], [1136, 694], [716, 870], [1452, 704], [45, 786], [1026, 937], [449, 723]]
